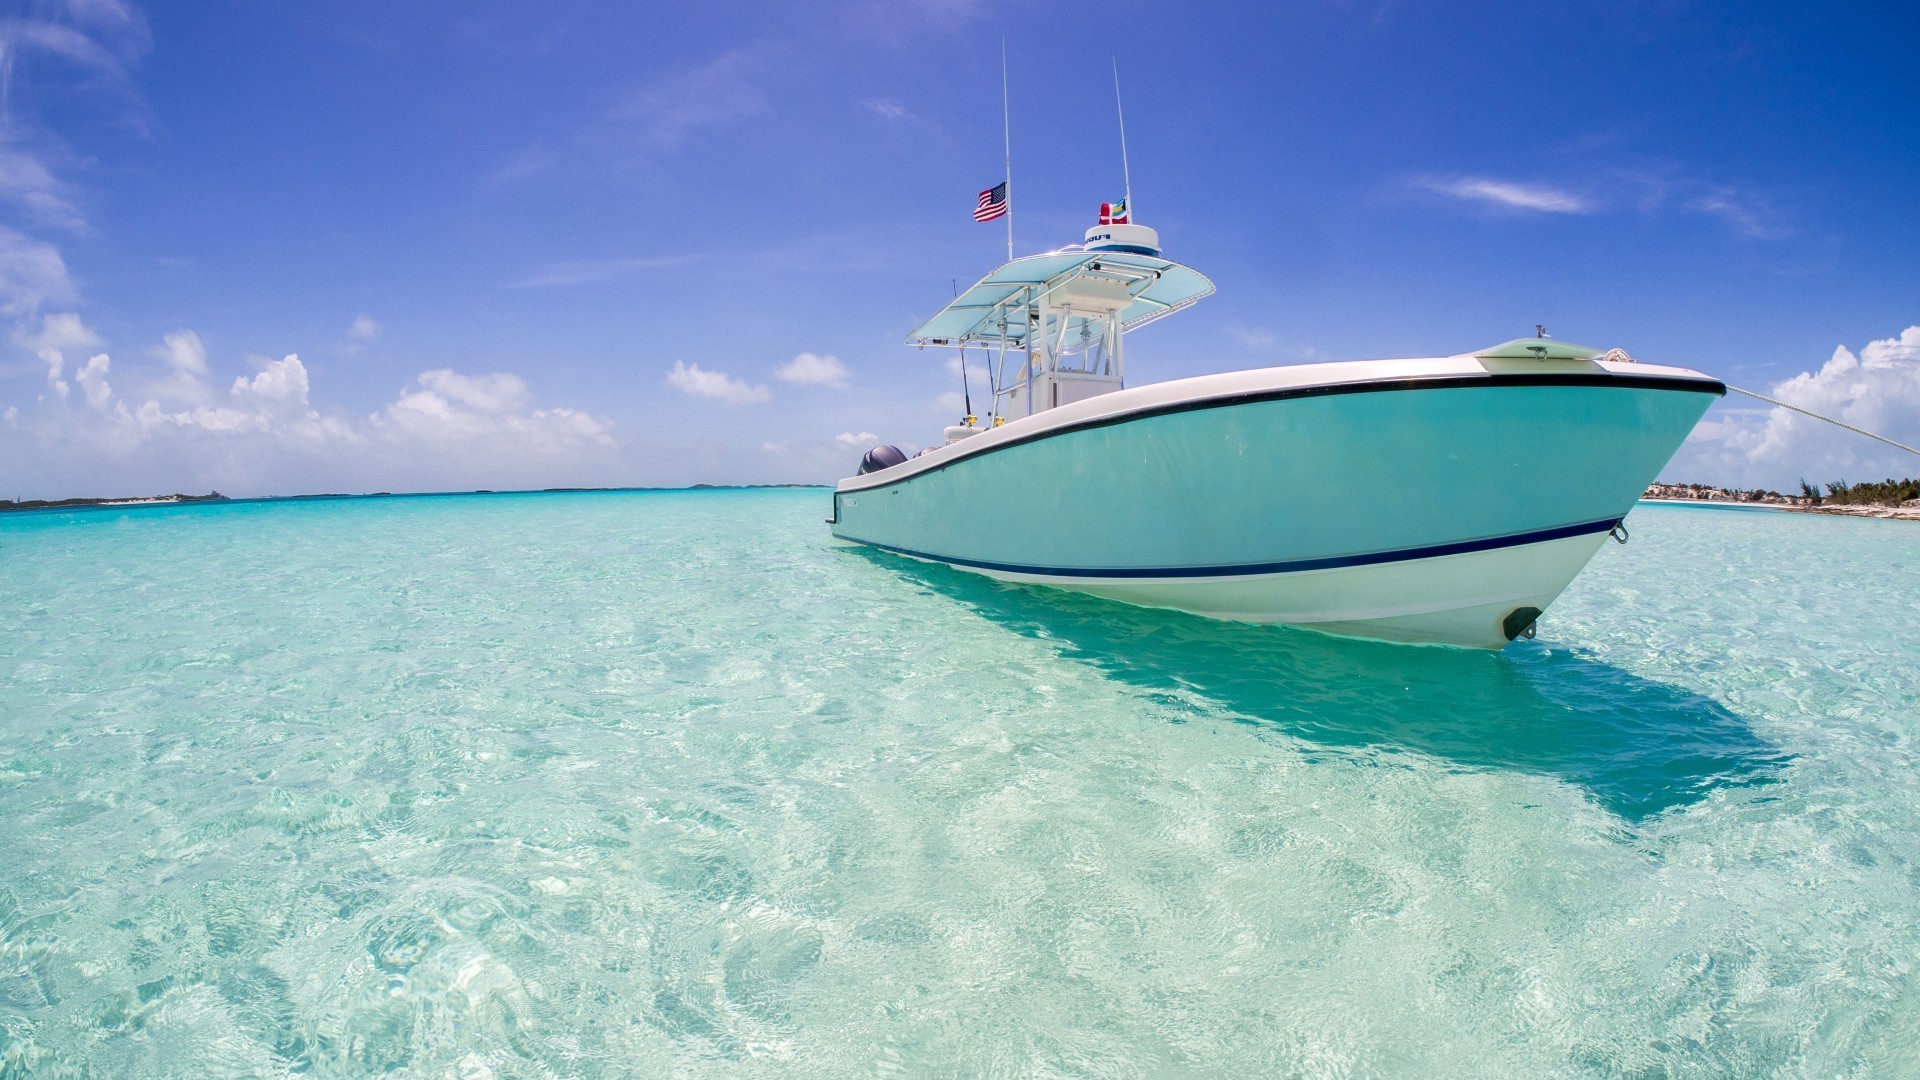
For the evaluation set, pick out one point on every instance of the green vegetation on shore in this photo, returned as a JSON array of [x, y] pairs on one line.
[[1885, 493], [54, 504]]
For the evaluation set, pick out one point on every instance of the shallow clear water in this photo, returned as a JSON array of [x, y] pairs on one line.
[[668, 783]]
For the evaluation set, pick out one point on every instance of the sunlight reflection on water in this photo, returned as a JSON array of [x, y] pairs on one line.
[[612, 784]]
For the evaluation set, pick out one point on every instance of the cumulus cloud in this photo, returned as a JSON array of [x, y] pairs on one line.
[[815, 369], [62, 331], [273, 401], [824, 459], [57, 334], [1877, 389], [92, 378], [184, 352], [446, 407], [279, 382], [495, 393], [695, 381], [444, 429], [1510, 195], [184, 374], [363, 328]]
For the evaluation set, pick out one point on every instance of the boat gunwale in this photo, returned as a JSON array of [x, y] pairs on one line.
[[1698, 384]]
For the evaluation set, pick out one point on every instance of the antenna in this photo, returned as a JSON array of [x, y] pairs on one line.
[[1125, 172], [1006, 128]]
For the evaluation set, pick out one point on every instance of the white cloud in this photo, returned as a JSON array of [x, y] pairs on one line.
[[671, 108], [273, 401], [495, 393], [1256, 338], [887, 108], [62, 331], [12, 415], [450, 408], [56, 335], [445, 430], [824, 459], [1511, 195], [695, 381], [363, 328], [185, 377], [32, 273], [814, 369], [1877, 389], [280, 382], [26, 182], [1745, 214], [183, 352], [92, 378]]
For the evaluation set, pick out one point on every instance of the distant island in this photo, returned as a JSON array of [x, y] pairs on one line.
[[138, 500], [1898, 499], [214, 496]]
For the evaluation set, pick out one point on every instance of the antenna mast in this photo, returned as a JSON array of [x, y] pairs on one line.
[[1006, 128], [1125, 172]]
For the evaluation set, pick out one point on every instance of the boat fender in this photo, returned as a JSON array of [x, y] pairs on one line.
[[884, 456], [1521, 622]]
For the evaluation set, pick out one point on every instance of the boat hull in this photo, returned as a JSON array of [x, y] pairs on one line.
[[1427, 501]]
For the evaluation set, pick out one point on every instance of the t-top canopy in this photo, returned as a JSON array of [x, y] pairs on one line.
[[1088, 284]]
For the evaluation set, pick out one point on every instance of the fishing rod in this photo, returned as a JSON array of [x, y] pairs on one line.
[[966, 384]]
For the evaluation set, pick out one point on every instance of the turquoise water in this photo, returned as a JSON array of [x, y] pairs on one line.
[[669, 784]]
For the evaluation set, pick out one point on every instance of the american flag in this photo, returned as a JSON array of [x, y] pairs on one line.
[[993, 203]]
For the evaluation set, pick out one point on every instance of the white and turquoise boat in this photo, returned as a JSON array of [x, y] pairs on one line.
[[1445, 500]]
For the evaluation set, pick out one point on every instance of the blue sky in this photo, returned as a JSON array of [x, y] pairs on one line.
[[274, 248]]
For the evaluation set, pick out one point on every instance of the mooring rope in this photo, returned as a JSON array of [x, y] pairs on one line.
[[1828, 419]]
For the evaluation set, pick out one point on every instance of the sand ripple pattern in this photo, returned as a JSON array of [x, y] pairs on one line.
[[668, 784]]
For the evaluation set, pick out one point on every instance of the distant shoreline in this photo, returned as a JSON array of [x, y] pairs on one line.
[[29, 505], [1672, 494], [1773, 500]]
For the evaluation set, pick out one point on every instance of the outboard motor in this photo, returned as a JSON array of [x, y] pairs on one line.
[[880, 457]]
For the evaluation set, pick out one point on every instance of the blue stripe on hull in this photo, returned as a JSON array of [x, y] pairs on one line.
[[1370, 558]]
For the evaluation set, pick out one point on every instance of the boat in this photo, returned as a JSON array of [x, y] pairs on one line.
[[1444, 500]]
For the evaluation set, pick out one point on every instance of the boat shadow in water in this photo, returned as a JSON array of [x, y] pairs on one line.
[[1638, 746]]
